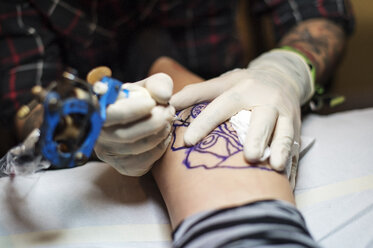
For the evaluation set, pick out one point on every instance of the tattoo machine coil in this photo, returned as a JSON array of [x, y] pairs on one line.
[[72, 121]]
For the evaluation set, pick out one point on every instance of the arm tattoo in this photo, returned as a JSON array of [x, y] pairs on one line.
[[321, 41], [224, 137]]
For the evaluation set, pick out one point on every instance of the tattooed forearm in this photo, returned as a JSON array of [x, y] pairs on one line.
[[321, 41]]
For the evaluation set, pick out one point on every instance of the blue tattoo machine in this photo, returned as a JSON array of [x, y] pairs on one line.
[[72, 121]]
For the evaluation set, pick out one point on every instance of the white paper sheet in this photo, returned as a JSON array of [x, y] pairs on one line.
[[334, 189], [79, 207]]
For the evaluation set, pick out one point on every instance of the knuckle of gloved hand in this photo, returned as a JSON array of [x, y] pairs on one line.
[[267, 112], [127, 165], [276, 97], [232, 96]]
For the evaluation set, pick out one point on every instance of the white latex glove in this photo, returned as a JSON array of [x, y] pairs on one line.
[[137, 130], [272, 87]]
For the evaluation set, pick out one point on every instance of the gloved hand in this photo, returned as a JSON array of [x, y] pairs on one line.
[[273, 87], [137, 129]]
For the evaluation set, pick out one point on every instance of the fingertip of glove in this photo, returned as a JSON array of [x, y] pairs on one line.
[[176, 102], [252, 155], [190, 139], [279, 157], [277, 163], [160, 86]]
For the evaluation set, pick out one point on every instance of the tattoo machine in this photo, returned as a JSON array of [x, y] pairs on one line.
[[74, 113]]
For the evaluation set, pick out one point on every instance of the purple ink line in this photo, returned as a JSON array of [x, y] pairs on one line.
[[221, 134]]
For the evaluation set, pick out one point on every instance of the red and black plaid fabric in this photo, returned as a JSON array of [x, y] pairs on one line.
[[38, 38]]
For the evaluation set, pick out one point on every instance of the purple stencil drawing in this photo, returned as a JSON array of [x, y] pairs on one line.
[[205, 150]]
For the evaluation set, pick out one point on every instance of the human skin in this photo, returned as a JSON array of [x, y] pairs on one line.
[[213, 174]]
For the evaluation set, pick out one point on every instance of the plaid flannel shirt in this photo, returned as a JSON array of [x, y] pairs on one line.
[[38, 38]]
